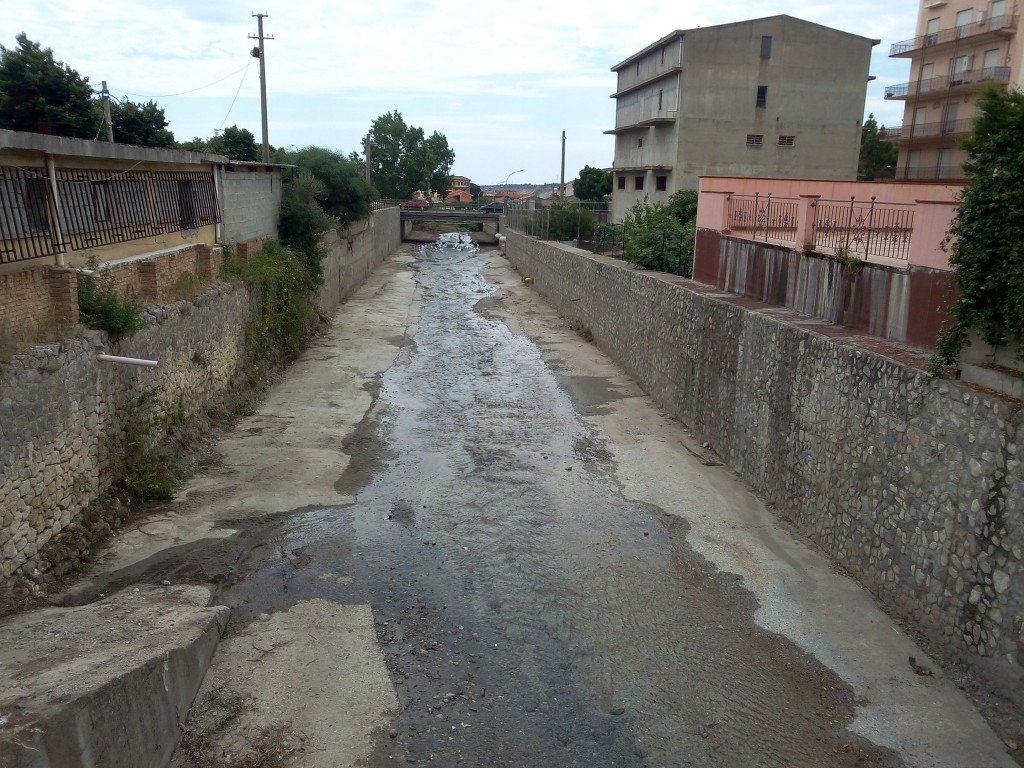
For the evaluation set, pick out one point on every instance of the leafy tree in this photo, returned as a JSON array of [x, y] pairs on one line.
[[237, 143], [683, 205], [987, 235], [43, 95], [141, 124], [593, 183], [875, 154], [403, 160], [475, 191], [346, 196]]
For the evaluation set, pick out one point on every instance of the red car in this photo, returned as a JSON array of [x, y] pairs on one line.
[[412, 205]]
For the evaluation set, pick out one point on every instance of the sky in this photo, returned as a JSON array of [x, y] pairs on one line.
[[501, 81]]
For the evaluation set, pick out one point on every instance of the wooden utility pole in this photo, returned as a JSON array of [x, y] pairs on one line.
[[105, 96], [260, 53], [367, 149]]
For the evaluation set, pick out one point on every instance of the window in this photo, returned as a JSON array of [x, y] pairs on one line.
[[787, 141], [638, 67], [995, 14], [762, 96], [639, 143], [958, 68], [35, 201], [920, 118], [963, 22], [638, 183], [661, 183], [766, 46], [931, 31], [663, 55], [949, 111], [622, 182], [660, 94], [755, 139], [990, 62], [100, 200]]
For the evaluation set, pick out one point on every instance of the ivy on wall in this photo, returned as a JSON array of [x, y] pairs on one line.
[[987, 235]]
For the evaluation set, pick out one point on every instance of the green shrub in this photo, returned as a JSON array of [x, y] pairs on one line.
[[100, 307], [569, 222]]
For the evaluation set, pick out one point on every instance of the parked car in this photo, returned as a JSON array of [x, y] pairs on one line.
[[493, 208], [411, 205]]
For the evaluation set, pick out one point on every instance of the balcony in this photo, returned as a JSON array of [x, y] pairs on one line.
[[997, 25], [969, 79], [932, 173], [942, 129]]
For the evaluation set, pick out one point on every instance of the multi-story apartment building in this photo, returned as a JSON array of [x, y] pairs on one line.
[[961, 45], [778, 96]]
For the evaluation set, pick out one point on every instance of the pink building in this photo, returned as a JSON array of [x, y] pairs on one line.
[[960, 46]]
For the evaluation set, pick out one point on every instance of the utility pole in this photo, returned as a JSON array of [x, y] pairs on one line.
[[105, 96], [260, 53], [367, 149], [561, 193]]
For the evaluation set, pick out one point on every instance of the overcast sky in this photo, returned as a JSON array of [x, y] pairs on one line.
[[501, 80]]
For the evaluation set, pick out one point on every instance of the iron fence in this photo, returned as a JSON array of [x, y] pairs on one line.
[[97, 208], [864, 228], [576, 222], [26, 212], [764, 216]]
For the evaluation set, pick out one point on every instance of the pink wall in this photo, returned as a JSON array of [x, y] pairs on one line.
[[935, 205]]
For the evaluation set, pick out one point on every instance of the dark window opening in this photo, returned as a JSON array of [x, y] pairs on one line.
[[762, 95], [186, 205], [622, 182], [755, 139], [661, 183], [766, 46], [662, 55], [660, 94], [638, 67], [639, 182], [36, 204], [639, 143]]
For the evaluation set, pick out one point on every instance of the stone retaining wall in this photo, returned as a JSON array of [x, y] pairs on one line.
[[353, 253], [915, 486], [65, 417]]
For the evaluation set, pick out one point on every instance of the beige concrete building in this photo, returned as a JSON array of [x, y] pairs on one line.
[[778, 97], [960, 46]]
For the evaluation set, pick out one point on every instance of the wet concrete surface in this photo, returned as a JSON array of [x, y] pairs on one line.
[[529, 613], [533, 610]]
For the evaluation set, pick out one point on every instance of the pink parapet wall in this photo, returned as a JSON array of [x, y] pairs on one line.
[[934, 206]]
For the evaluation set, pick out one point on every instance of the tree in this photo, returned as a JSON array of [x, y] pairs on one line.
[[404, 161], [475, 191], [43, 95], [593, 183], [141, 124], [346, 196], [237, 143], [987, 235], [875, 154]]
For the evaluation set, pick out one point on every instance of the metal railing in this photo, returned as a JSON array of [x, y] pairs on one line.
[[929, 130], [933, 173], [26, 211], [97, 208], [764, 216], [576, 221], [864, 228], [966, 79], [1007, 23]]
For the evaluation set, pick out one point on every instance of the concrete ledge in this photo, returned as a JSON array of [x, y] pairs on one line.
[[108, 684]]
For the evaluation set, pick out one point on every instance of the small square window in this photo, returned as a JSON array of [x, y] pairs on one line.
[[638, 183], [787, 141], [755, 139], [661, 183], [766, 46], [762, 95], [622, 182]]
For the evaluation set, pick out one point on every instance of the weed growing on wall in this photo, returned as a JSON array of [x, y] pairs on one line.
[[280, 279], [100, 307]]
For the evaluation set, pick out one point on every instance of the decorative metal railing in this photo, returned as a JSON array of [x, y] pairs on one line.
[[966, 79], [929, 130], [864, 229], [1004, 24], [764, 217]]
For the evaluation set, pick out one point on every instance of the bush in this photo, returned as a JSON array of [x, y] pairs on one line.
[[570, 222], [100, 307], [654, 238]]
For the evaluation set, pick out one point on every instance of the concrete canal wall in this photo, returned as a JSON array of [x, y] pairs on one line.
[[914, 486]]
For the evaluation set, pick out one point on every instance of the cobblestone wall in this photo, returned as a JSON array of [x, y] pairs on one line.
[[63, 414], [915, 486]]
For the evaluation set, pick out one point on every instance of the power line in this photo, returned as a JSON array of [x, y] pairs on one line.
[[183, 93], [236, 94]]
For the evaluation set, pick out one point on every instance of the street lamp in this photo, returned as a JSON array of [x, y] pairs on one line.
[[505, 184]]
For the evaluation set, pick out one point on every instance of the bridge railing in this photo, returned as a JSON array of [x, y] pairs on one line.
[[379, 205], [575, 222]]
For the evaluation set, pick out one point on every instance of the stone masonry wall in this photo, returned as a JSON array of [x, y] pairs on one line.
[[915, 486], [63, 414]]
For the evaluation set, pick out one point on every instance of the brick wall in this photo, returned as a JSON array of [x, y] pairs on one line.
[[915, 486]]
